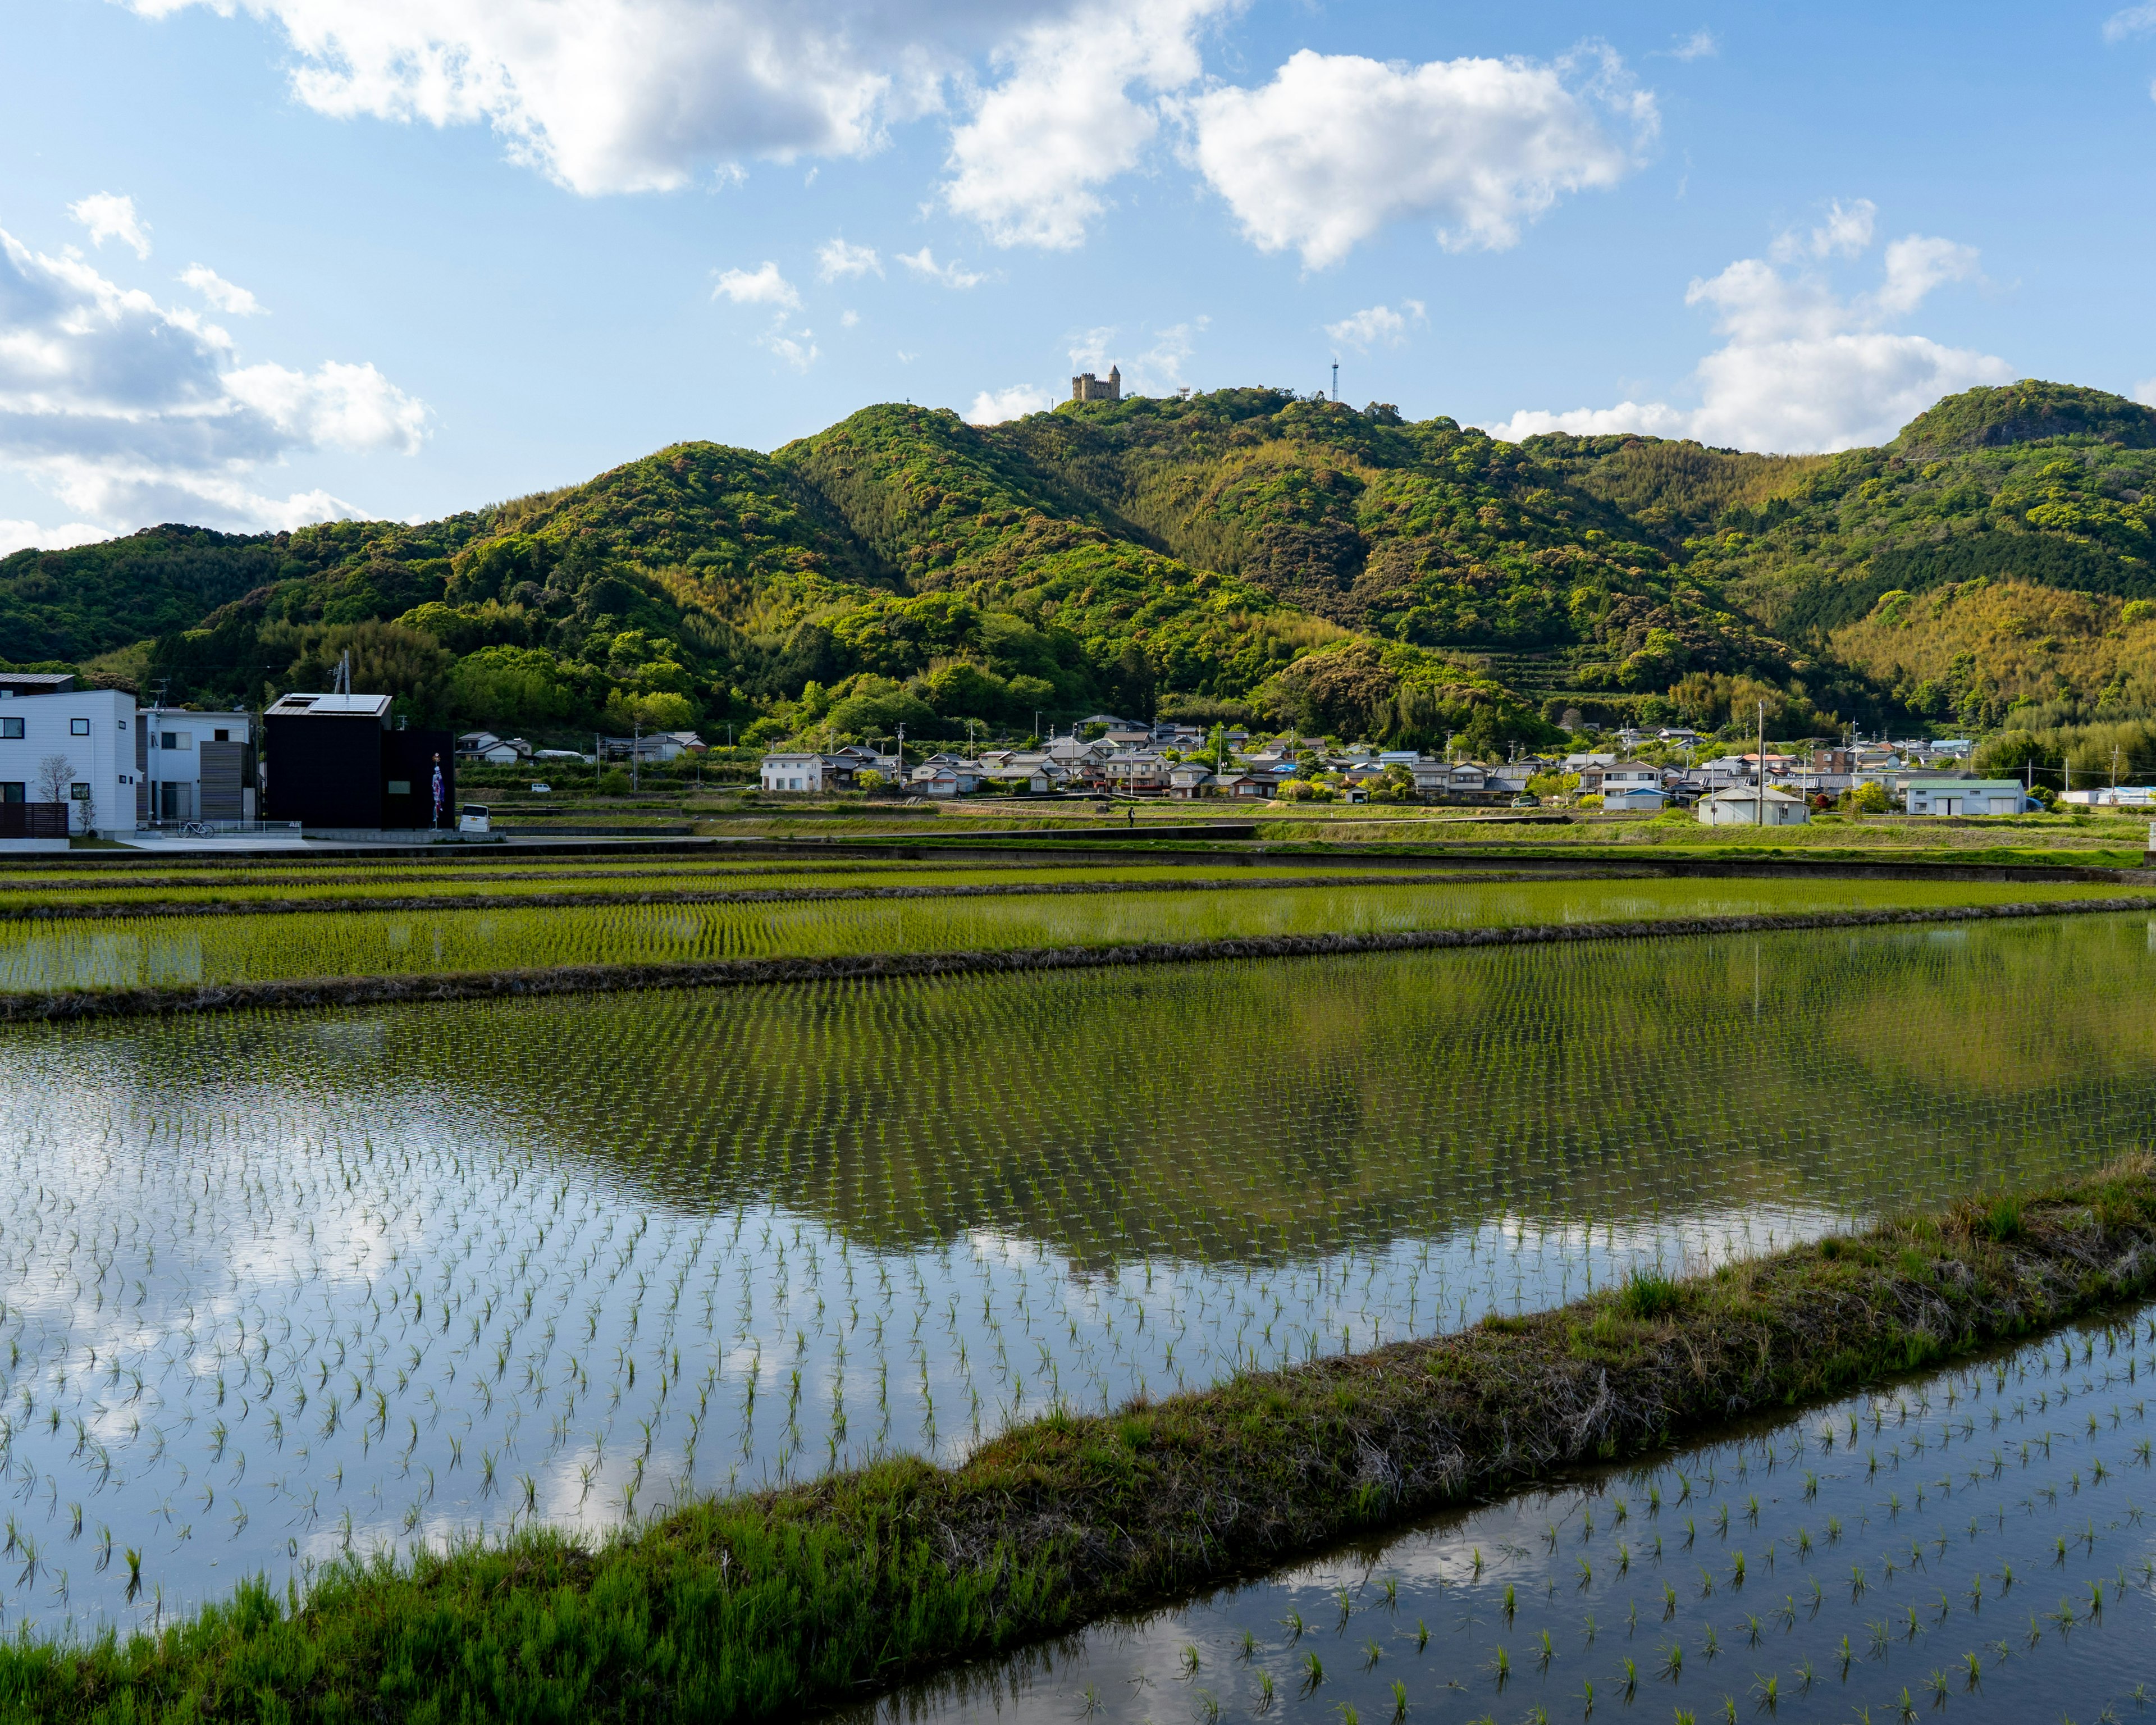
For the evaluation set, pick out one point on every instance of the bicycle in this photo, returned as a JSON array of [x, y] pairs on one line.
[[199, 830]]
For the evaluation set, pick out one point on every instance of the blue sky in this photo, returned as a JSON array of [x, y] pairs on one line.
[[271, 260]]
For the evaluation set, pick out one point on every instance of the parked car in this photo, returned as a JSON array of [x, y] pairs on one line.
[[1526, 799]]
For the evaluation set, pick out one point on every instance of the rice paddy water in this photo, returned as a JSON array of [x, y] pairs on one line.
[[281, 1287], [128, 953], [1972, 1544]]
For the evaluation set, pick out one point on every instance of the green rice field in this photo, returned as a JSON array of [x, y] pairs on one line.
[[275, 1288], [174, 950]]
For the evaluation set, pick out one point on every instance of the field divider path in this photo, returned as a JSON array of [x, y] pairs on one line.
[[774, 1605], [303, 992], [741, 895]]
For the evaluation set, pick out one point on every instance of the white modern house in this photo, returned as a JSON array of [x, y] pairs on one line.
[[81, 746], [197, 766]]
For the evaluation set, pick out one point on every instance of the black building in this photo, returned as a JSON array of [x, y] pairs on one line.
[[332, 761]]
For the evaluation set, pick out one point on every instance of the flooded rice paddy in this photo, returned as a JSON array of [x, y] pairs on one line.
[[274, 1288], [179, 950], [1973, 1543]]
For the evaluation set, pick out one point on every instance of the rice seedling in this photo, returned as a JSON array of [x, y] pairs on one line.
[[130, 951], [515, 1288]]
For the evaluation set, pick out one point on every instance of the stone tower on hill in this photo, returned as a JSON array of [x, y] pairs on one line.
[[1085, 387]]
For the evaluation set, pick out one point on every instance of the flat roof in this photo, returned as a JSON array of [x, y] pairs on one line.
[[368, 707]]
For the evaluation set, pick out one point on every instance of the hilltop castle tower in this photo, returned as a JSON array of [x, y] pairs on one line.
[[1085, 387]]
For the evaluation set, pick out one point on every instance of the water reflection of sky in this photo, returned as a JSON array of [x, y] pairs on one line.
[[1979, 1543], [280, 1287]]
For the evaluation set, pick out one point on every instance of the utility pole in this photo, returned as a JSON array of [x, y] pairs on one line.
[[1759, 808], [1336, 378]]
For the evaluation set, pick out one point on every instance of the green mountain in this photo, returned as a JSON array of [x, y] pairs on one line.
[[1245, 554]]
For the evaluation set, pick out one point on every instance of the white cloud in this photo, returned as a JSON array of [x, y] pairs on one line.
[[233, 300], [993, 406], [1160, 369], [2131, 22], [1700, 45], [109, 217], [1089, 352], [1337, 146], [2144, 391], [762, 286], [836, 260], [130, 411], [799, 349], [1364, 330], [28, 536], [1029, 164], [343, 407], [1917, 265], [1847, 231], [1802, 368], [923, 263], [638, 96], [847, 320]]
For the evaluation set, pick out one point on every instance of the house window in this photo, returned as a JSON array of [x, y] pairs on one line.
[[400, 787], [11, 727], [79, 790], [11, 792], [179, 739], [223, 736], [79, 727]]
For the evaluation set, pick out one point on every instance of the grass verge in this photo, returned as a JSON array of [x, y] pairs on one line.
[[766, 1606]]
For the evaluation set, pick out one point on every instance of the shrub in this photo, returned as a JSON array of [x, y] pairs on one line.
[[2002, 1220]]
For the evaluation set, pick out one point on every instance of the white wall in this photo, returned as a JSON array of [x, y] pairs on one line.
[[101, 755]]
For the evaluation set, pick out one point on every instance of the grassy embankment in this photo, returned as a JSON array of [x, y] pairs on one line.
[[762, 1606]]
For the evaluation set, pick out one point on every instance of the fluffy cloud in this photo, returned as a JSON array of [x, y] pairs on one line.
[[1700, 45], [1078, 106], [24, 536], [923, 263], [1337, 146], [993, 406], [836, 260], [108, 217], [760, 286], [1801, 367], [1364, 330], [233, 300], [638, 95], [131, 411]]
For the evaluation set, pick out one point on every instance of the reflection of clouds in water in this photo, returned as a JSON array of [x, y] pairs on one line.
[[348, 1205]]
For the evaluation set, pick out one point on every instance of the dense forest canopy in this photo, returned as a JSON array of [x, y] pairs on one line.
[[1246, 554]]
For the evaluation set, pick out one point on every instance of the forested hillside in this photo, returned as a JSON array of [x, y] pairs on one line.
[[1246, 554]]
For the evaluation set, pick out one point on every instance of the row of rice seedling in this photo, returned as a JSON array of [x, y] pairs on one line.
[[398, 889], [1972, 1544], [279, 1287], [164, 951], [504, 866]]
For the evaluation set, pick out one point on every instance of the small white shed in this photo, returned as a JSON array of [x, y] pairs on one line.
[[1739, 807]]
